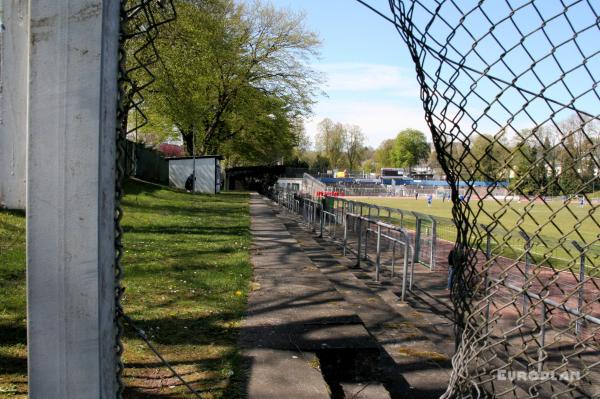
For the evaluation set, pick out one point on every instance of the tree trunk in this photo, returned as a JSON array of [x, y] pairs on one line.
[[188, 141]]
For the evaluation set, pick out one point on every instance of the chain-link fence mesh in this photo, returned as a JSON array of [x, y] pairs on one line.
[[140, 22], [510, 91]]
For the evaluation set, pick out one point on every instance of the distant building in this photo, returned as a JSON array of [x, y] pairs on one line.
[[393, 172], [293, 184]]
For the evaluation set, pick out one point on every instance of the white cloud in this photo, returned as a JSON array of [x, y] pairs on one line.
[[378, 120], [369, 77], [381, 99]]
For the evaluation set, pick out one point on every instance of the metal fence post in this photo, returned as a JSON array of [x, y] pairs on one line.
[[417, 239], [393, 257], [359, 241], [527, 249], [345, 233], [368, 221], [377, 263], [488, 256], [581, 297], [541, 351], [433, 242], [404, 269], [321, 222]]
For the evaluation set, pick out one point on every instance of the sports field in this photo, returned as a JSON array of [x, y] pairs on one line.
[[578, 223], [548, 222]]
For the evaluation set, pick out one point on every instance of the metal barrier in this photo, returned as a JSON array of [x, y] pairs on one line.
[[422, 227], [360, 222], [357, 227]]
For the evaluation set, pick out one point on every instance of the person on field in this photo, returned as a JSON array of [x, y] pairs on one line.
[[429, 199]]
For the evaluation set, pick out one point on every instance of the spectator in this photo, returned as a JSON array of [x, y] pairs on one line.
[[189, 183]]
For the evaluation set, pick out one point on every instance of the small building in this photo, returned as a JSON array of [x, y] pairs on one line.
[[293, 184], [208, 172]]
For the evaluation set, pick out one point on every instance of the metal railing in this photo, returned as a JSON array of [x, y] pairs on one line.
[[357, 229], [426, 240]]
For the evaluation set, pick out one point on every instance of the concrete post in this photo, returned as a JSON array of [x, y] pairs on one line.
[[70, 198], [14, 53]]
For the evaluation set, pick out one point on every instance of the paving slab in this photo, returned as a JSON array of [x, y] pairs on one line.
[[278, 381], [403, 333], [294, 313]]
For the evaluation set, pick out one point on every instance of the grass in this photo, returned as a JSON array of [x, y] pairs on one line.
[[572, 221], [13, 351], [535, 215], [187, 273]]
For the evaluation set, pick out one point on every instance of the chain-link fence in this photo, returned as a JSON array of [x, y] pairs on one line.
[[140, 24], [510, 88]]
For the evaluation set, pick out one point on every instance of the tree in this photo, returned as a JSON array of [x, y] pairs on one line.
[[369, 166], [227, 69], [355, 146], [320, 163], [410, 148], [530, 170], [383, 154], [486, 159], [331, 142]]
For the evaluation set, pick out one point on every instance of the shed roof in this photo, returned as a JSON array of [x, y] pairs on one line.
[[220, 157]]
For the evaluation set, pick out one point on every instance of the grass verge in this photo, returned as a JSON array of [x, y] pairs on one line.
[[187, 270]]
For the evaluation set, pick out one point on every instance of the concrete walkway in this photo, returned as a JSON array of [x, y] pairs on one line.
[[315, 329]]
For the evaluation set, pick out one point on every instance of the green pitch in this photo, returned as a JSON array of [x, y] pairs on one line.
[[549, 222], [572, 220]]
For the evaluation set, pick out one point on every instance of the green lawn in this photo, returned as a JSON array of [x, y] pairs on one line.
[[187, 273], [581, 224], [515, 214], [13, 363]]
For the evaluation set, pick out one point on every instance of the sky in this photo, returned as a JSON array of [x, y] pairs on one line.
[[370, 78]]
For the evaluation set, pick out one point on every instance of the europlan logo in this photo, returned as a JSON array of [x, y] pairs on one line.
[[566, 376]]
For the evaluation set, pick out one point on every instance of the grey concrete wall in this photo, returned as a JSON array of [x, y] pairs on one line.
[[180, 169], [14, 50], [70, 198]]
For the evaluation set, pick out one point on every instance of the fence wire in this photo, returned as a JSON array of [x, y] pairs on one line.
[[510, 90], [140, 24]]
